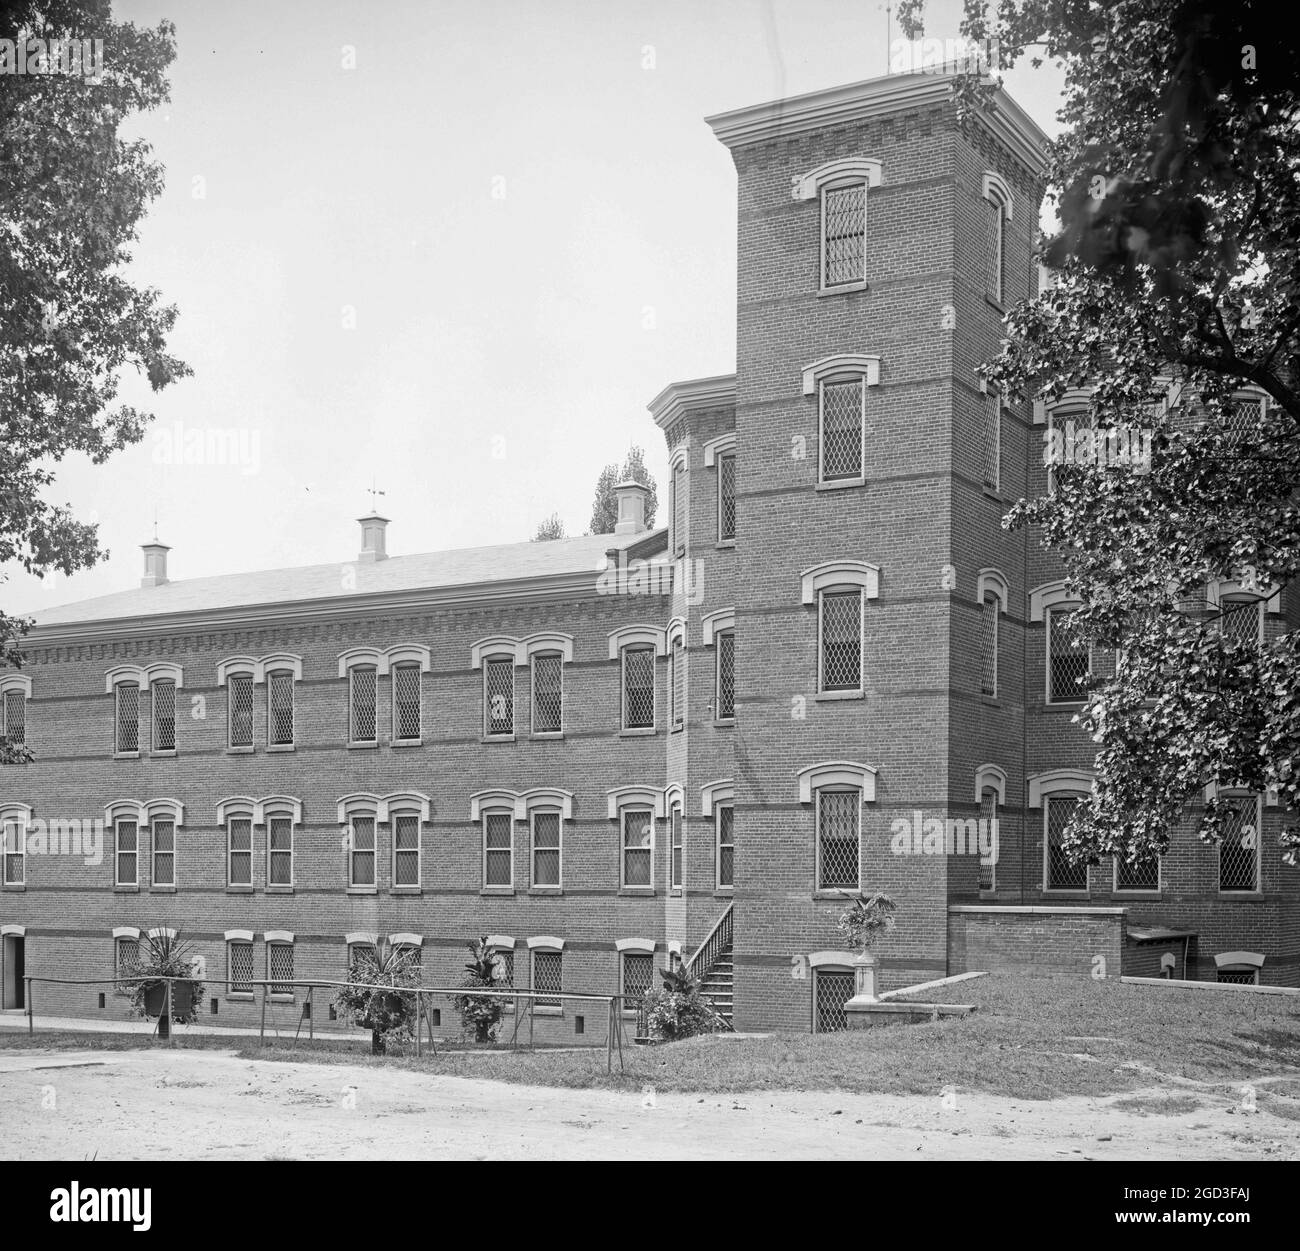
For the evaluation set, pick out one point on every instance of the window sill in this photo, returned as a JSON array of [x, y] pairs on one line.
[[1066, 892], [548, 1011], [362, 890], [840, 484], [844, 289], [367, 746], [832, 696], [675, 892], [725, 723], [126, 755], [14, 886], [642, 732], [1060, 705], [993, 302], [546, 890], [994, 494], [724, 892], [239, 751], [1139, 895], [407, 742], [725, 545], [991, 701], [120, 888], [497, 738], [279, 998], [406, 890], [833, 892], [544, 735], [162, 890], [279, 890], [240, 996], [238, 890], [165, 754], [1242, 896], [678, 728], [281, 747], [636, 892], [505, 892]]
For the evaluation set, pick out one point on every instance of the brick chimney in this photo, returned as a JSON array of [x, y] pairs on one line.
[[155, 563], [373, 543], [632, 498]]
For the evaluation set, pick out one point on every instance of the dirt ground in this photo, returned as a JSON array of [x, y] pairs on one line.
[[116, 1105]]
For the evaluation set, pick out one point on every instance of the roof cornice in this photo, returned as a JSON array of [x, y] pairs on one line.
[[876, 97], [695, 395]]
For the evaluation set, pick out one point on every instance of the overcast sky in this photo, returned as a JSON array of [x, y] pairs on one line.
[[451, 247]]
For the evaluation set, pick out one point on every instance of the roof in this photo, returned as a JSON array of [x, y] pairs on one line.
[[359, 583]]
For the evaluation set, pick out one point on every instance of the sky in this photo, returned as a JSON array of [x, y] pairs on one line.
[[450, 249]]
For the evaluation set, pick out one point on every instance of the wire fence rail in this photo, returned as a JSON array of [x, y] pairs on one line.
[[618, 1007]]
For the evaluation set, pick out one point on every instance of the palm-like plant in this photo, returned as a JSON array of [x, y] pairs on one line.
[[163, 954], [387, 1014], [480, 1013]]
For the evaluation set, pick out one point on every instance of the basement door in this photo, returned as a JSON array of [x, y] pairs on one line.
[[14, 961]]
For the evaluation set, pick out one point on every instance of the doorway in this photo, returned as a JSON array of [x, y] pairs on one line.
[[14, 959]]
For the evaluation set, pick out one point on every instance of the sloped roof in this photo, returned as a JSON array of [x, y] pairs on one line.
[[464, 568]]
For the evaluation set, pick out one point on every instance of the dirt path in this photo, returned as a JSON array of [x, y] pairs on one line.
[[116, 1105]]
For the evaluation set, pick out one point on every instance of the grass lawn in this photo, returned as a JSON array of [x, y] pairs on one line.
[[1033, 1038]]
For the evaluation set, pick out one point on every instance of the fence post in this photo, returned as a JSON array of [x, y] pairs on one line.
[[171, 1042], [609, 1039], [31, 1020], [311, 1013], [261, 1029], [418, 1000]]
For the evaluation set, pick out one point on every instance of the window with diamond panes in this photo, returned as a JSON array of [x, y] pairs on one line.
[[406, 703], [989, 645], [279, 968], [239, 695], [15, 853], [726, 676], [675, 822], [679, 510], [1061, 873], [831, 991], [1237, 977], [14, 717], [164, 716], [127, 720], [356, 951], [638, 688], [726, 817], [126, 952], [1243, 420], [992, 441], [128, 853], [279, 694], [726, 498], [406, 849], [240, 851], [498, 845], [989, 815], [844, 234], [638, 972], [363, 691], [995, 225], [548, 693], [1241, 618], [1068, 660], [839, 814], [842, 418], [1137, 875], [164, 852], [546, 849], [1239, 850], [279, 841], [361, 853], [548, 975], [240, 961], [841, 630], [678, 685], [638, 838], [504, 959], [499, 696]]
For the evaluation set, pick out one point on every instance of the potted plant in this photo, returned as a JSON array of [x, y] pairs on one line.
[[163, 955], [481, 1015], [864, 923], [389, 1015], [680, 1009]]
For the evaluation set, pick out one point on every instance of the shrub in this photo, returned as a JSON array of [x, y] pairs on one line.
[[389, 1015], [162, 955], [867, 919], [480, 1015], [679, 1009]]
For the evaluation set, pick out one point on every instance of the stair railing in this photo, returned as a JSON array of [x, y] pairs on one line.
[[707, 953]]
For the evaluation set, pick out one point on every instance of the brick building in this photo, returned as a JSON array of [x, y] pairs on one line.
[[611, 751]]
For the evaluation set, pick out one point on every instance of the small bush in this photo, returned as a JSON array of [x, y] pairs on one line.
[[480, 1015], [389, 1015], [679, 1009]]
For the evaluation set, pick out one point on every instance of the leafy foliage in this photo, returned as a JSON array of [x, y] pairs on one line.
[[389, 1015], [679, 1009], [604, 510], [551, 528], [480, 1015], [71, 197], [1177, 261], [160, 955], [867, 919]]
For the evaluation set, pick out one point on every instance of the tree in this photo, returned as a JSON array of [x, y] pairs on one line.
[[551, 528], [1177, 260], [604, 510], [71, 196], [389, 1015]]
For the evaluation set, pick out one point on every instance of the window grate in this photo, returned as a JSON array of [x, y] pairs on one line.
[[239, 698], [164, 716], [128, 853], [726, 678], [832, 991], [498, 841], [548, 975], [842, 429], [280, 694], [679, 684], [499, 696], [241, 968], [994, 240], [1141, 874], [726, 845], [15, 716], [1241, 619], [1239, 850], [548, 694], [406, 850], [279, 968], [364, 689], [164, 852], [1237, 977], [1243, 420], [240, 837], [406, 703], [546, 849], [838, 815], [638, 688], [1068, 660], [677, 848], [841, 640], [1061, 873], [127, 952], [726, 498], [844, 216], [989, 645], [989, 814], [279, 837], [504, 958], [362, 856], [992, 441], [15, 851], [679, 511], [128, 718], [638, 972], [638, 835]]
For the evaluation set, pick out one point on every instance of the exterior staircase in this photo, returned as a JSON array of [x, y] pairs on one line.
[[712, 964]]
